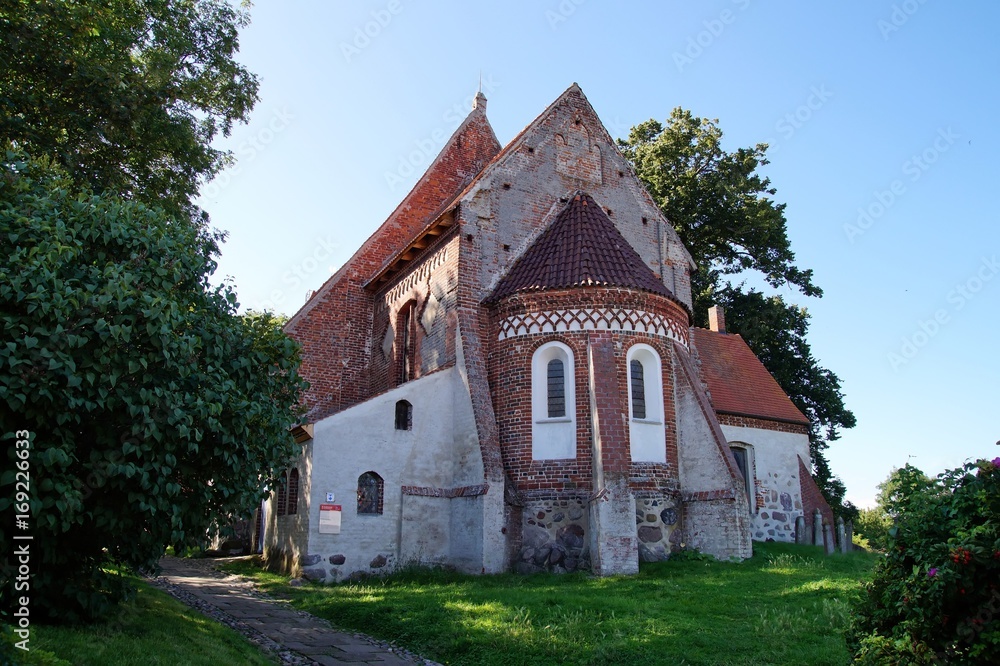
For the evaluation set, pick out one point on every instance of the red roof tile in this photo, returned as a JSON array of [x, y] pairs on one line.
[[582, 247], [739, 382]]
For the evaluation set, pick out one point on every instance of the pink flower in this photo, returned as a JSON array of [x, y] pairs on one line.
[[932, 572], [996, 462]]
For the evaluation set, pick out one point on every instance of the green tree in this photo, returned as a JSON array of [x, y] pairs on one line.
[[725, 214], [934, 598], [152, 408], [127, 95]]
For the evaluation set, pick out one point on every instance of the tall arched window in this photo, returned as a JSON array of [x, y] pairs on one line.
[[647, 430], [281, 495], [743, 453], [293, 492], [370, 493], [638, 386], [405, 348], [553, 403], [556, 389]]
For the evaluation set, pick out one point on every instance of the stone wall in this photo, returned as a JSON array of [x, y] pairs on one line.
[[554, 536], [658, 522]]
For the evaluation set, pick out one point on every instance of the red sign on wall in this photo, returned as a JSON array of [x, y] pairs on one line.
[[329, 507]]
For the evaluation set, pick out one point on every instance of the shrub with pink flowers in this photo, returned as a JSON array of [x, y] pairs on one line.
[[935, 597]]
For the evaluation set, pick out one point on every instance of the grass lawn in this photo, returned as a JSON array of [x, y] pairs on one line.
[[786, 605], [154, 628]]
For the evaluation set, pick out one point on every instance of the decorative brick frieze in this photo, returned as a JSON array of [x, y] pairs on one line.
[[602, 319], [449, 493]]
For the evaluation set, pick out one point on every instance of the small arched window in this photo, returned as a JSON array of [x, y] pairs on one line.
[[553, 403], [293, 492], [404, 415], [370, 493], [281, 495]]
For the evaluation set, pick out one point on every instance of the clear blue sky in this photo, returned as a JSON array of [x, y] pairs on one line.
[[884, 108]]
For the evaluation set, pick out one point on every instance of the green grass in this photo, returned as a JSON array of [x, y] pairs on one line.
[[786, 605], [154, 628]]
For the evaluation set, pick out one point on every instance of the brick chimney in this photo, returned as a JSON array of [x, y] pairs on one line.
[[717, 319]]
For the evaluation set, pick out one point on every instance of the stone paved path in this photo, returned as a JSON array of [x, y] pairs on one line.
[[294, 636]]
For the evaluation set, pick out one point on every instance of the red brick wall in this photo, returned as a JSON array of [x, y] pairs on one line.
[[335, 328], [812, 498], [763, 424], [510, 378]]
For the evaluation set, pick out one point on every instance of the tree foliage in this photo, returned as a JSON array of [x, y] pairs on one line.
[[127, 95], [935, 596], [725, 214], [153, 408]]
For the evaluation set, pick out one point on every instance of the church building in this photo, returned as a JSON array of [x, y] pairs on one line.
[[505, 376]]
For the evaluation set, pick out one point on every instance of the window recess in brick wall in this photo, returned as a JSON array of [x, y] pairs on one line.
[[647, 430], [293, 492], [553, 403], [405, 347], [281, 495]]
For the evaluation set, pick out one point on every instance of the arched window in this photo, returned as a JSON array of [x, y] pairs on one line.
[[405, 348], [404, 415], [647, 430], [556, 389], [743, 453], [281, 495], [553, 403], [370, 493], [638, 386], [293, 492]]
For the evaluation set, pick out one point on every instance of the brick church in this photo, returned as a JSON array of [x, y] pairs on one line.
[[504, 376]]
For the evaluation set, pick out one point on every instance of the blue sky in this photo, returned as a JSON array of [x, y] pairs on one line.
[[882, 120]]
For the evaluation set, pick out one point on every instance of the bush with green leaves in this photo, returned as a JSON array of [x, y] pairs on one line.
[[935, 597], [154, 409]]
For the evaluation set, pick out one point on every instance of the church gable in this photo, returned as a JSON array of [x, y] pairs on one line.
[[565, 150]]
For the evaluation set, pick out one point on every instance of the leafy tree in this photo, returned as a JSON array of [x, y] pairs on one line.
[[934, 597], [153, 408], [724, 213], [127, 95]]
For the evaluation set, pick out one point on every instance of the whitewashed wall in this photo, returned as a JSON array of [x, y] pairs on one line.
[[778, 496]]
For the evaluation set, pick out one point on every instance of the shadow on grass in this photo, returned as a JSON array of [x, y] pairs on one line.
[[154, 628], [787, 605]]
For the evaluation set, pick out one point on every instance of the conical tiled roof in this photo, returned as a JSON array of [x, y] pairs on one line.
[[581, 248]]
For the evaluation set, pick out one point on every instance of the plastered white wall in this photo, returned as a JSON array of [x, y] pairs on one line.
[[776, 471], [440, 451]]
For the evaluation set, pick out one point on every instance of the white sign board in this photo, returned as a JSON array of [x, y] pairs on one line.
[[329, 518]]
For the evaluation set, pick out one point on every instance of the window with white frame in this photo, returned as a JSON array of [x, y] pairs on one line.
[[553, 403], [647, 430]]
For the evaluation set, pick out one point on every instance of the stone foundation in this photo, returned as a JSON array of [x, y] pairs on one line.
[[554, 535], [657, 521], [339, 567]]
